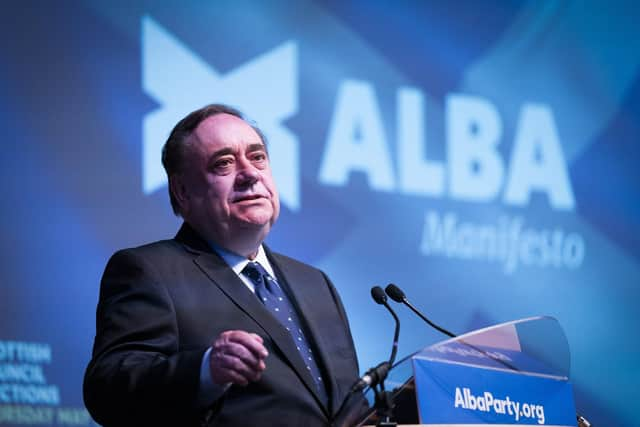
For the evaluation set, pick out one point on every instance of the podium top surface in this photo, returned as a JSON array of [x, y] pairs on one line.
[[532, 346]]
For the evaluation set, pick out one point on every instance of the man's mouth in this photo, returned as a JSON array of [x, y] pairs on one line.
[[248, 197]]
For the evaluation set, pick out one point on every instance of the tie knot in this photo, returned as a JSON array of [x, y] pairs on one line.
[[255, 272]]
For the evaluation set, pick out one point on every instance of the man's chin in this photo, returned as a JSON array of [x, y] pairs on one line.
[[255, 221]]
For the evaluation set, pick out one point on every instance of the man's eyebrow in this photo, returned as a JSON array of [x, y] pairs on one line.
[[228, 150], [256, 147], [222, 152]]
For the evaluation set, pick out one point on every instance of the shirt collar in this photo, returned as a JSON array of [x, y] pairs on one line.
[[238, 262]]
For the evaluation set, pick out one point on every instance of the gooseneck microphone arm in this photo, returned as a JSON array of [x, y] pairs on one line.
[[379, 297], [376, 375], [396, 294], [383, 399]]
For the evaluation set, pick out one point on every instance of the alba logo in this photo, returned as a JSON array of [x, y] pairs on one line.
[[179, 80], [266, 89], [474, 168]]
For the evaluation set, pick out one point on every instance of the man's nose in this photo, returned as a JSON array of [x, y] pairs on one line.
[[247, 174]]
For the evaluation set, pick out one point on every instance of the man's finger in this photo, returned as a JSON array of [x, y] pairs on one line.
[[237, 357], [252, 342], [225, 366], [240, 351]]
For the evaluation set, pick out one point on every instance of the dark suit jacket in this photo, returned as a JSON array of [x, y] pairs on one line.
[[161, 305]]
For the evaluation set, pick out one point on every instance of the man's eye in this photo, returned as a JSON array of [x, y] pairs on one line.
[[223, 164], [258, 157]]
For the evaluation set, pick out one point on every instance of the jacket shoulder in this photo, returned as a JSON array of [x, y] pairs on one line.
[[158, 249]]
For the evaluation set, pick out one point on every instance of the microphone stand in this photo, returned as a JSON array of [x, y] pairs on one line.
[[383, 399], [375, 377], [384, 406]]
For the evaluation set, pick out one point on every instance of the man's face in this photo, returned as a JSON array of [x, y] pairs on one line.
[[226, 187]]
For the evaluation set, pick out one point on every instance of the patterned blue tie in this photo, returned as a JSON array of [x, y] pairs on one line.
[[276, 301]]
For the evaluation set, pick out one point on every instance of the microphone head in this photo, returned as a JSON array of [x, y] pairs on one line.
[[395, 293], [378, 295]]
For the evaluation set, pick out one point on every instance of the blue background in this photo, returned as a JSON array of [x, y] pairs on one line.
[[72, 108]]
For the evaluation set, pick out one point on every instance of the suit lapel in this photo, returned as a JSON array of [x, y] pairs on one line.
[[305, 297], [224, 278], [216, 269]]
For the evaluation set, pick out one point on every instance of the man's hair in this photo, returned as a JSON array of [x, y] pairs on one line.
[[173, 151]]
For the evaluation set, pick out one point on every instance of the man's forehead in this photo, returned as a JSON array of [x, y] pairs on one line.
[[225, 130]]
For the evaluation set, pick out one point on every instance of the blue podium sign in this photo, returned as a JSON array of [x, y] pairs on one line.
[[464, 394]]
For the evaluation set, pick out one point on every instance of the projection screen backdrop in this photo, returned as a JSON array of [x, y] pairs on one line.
[[481, 155]]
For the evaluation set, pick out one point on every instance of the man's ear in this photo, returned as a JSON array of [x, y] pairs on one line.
[[179, 192]]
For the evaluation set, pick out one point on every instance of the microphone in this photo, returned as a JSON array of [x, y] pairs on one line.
[[379, 297], [372, 377], [377, 374], [396, 294]]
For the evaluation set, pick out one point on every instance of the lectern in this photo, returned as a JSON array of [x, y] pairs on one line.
[[515, 373]]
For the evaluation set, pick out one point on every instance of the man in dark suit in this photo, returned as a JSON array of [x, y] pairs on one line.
[[211, 327]]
